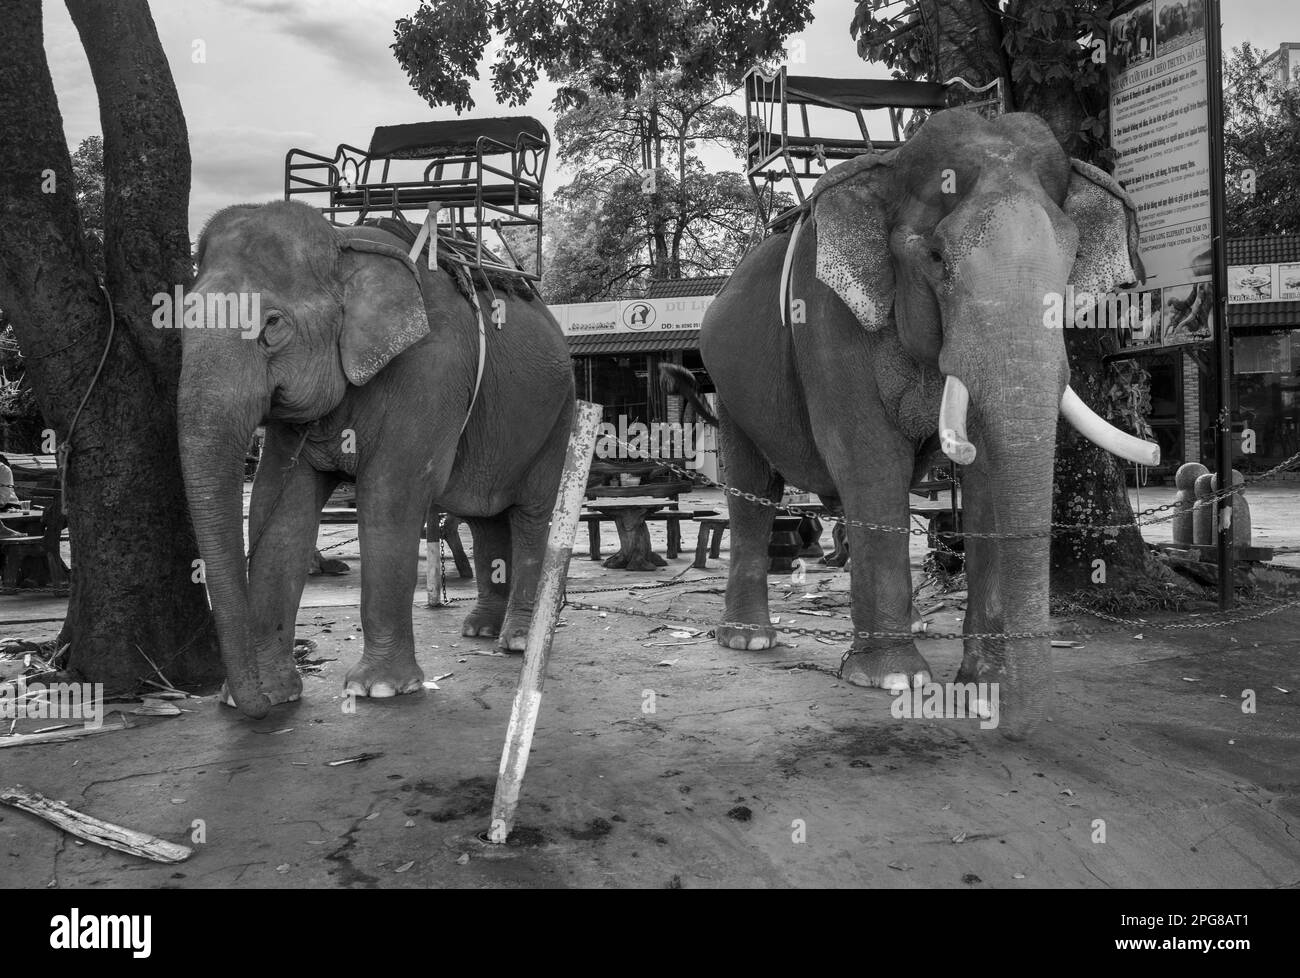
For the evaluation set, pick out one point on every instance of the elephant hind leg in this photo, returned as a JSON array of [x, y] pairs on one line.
[[491, 536], [751, 533], [528, 531]]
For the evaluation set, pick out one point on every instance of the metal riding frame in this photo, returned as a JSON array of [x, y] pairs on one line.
[[481, 173], [774, 152]]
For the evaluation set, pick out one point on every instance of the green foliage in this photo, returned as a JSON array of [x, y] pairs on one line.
[[88, 175], [1036, 46], [643, 204], [611, 44], [1262, 133]]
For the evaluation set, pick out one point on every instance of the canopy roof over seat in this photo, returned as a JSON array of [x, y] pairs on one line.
[[425, 140], [861, 93]]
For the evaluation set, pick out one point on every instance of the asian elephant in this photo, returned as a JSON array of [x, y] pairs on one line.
[[362, 364], [920, 283]]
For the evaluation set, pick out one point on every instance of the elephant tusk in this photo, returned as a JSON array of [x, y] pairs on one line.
[[952, 422], [1105, 435]]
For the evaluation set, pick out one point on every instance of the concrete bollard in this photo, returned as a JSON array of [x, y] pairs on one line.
[[1239, 518], [1203, 514], [1185, 500]]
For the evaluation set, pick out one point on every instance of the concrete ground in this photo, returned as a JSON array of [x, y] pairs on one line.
[[662, 760]]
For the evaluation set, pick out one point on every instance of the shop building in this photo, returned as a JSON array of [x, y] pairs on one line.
[[1264, 317], [618, 345]]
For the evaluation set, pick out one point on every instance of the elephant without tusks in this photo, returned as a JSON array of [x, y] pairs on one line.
[[362, 367], [916, 300]]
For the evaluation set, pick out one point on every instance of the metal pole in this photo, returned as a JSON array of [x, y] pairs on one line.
[[1222, 336]]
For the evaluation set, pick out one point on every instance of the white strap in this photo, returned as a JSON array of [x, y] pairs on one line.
[[786, 267], [428, 233], [482, 354]]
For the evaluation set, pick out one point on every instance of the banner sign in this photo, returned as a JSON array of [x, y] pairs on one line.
[[1264, 283], [1159, 131], [631, 315]]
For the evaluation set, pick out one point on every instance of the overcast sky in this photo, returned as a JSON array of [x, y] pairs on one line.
[[313, 73]]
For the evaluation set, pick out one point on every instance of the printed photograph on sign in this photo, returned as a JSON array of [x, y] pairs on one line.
[[1250, 283], [1187, 315], [1132, 39], [1178, 22], [1288, 280]]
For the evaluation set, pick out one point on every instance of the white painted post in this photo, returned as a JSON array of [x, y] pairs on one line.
[[433, 561], [546, 609]]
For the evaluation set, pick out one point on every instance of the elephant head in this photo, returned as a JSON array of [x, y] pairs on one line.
[[959, 240], [319, 310]]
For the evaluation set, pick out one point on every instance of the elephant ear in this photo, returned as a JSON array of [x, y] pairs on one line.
[[383, 307], [848, 207], [1104, 215]]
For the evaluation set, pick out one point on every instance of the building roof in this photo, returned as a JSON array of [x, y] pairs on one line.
[[682, 288], [1265, 250], [613, 344]]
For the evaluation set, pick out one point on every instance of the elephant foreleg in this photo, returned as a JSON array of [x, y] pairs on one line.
[[492, 572], [881, 582], [751, 534], [389, 521], [283, 519]]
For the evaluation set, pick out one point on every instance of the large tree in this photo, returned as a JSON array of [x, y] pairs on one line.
[[105, 378], [1038, 49], [1261, 135], [643, 205], [612, 45]]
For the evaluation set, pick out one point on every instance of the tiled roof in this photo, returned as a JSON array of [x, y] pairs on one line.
[[681, 288], [1265, 250], [652, 342]]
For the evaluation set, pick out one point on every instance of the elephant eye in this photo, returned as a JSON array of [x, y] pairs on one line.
[[936, 256], [275, 330]]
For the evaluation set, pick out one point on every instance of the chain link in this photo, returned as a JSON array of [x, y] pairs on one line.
[[1120, 624], [916, 531]]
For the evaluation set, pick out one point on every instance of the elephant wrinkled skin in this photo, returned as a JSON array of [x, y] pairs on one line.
[[362, 368], [917, 287]]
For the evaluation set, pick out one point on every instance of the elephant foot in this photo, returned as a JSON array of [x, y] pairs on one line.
[[888, 669], [382, 677], [514, 633], [279, 683], [746, 639], [484, 621]]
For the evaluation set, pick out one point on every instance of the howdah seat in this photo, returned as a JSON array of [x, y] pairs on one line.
[[478, 173]]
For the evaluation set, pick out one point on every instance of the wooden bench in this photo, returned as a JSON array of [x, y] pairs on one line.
[[672, 517]]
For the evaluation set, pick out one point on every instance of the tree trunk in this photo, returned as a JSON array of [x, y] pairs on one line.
[[132, 543]]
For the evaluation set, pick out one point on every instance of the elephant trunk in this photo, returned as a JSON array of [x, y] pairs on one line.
[[1020, 449], [217, 420]]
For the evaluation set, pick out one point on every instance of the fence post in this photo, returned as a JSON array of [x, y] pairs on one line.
[[541, 631]]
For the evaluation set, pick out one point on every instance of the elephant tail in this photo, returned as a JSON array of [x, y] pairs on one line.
[[676, 379]]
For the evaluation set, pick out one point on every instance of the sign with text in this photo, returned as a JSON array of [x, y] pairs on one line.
[[1159, 131], [631, 315]]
